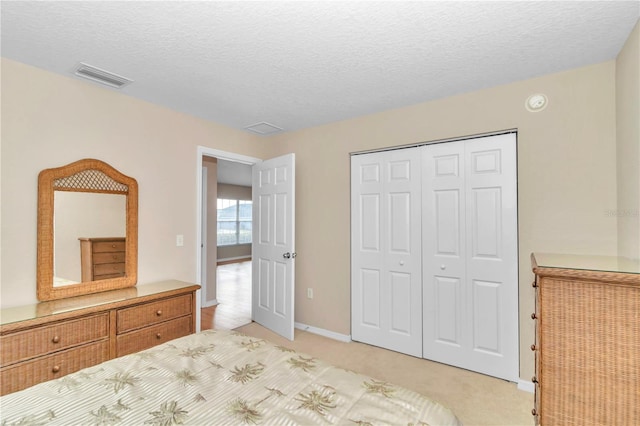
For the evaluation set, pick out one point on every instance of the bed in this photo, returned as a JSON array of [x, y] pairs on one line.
[[219, 378]]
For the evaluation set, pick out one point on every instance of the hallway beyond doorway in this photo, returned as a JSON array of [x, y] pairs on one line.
[[234, 298]]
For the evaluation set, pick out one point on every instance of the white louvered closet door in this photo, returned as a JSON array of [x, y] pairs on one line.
[[386, 281]]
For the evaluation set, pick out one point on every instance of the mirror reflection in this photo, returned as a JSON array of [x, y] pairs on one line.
[[89, 237], [87, 230]]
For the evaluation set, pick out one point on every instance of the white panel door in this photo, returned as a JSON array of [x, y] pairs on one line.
[[385, 250], [444, 254], [470, 255], [492, 252], [273, 246]]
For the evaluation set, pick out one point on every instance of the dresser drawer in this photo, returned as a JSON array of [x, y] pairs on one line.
[[147, 337], [153, 313], [35, 342], [108, 246], [108, 268], [115, 257], [106, 276], [29, 373]]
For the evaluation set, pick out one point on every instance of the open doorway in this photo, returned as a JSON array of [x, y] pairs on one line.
[[234, 297], [273, 240], [225, 233]]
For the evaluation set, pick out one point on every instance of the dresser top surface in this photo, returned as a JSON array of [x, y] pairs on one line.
[[71, 304], [614, 264]]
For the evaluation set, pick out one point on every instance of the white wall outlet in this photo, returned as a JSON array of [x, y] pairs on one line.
[[309, 293], [179, 240]]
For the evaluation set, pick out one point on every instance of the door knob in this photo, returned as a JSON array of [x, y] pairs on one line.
[[293, 255], [287, 255], [443, 267], [402, 262]]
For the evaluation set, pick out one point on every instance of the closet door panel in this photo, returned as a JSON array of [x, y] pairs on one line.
[[399, 223], [370, 223], [447, 222], [447, 311], [370, 280], [470, 255], [486, 321], [444, 298], [486, 223], [492, 267], [386, 250], [400, 300]]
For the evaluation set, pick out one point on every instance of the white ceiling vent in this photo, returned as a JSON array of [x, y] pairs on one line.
[[263, 128], [101, 76]]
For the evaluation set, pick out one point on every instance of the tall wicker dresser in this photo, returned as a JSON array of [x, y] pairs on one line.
[[587, 347]]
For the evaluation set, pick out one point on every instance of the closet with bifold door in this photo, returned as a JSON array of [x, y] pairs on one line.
[[434, 254]]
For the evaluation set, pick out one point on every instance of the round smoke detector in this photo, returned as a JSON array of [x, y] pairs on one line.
[[536, 103]]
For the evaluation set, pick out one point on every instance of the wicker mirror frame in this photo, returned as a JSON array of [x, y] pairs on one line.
[[88, 175]]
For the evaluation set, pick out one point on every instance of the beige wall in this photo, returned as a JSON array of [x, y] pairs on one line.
[[566, 180], [50, 120], [628, 136], [234, 192], [234, 252]]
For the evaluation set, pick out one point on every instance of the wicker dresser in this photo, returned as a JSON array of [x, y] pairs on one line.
[[102, 258], [51, 339], [587, 347]]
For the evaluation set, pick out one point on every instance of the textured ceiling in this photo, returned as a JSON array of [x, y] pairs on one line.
[[301, 64]]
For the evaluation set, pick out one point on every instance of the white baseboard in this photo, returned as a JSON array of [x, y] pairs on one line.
[[527, 386], [322, 332], [209, 303]]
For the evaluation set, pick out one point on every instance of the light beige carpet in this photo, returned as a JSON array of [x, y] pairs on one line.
[[475, 398]]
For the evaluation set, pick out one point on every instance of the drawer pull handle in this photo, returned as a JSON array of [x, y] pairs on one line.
[[113, 246], [533, 347], [115, 257], [534, 379], [158, 336], [55, 369], [159, 312], [56, 339]]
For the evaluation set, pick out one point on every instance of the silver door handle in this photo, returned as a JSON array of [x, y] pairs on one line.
[[287, 255]]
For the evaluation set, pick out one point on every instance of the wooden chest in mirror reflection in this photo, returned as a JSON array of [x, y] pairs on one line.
[[102, 258]]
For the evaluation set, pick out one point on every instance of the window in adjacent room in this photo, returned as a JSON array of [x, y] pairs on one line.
[[234, 222]]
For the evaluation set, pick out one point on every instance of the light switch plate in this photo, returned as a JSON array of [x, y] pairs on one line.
[[179, 240]]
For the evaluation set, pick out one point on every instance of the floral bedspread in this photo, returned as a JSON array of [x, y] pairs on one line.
[[219, 378]]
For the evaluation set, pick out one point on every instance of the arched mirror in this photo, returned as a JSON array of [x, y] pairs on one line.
[[87, 230]]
